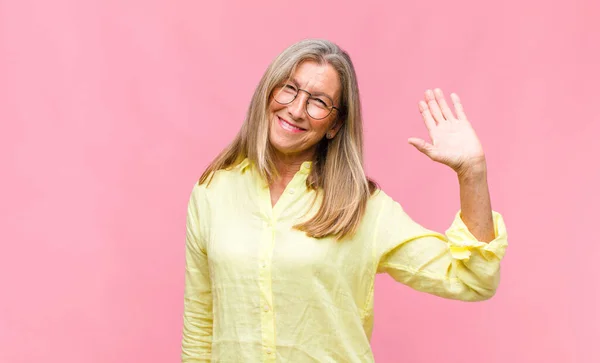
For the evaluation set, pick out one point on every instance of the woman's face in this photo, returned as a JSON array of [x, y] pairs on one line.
[[292, 132]]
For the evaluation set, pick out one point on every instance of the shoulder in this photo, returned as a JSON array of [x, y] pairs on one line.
[[380, 200], [214, 190], [380, 208], [388, 214], [197, 198], [223, 179]]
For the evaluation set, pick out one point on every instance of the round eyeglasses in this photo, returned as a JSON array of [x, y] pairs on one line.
[[317, 107]]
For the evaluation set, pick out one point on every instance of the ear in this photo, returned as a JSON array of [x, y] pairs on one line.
[[333, 130]]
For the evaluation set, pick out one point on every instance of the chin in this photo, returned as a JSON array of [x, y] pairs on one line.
[[281, 146], [286, 143]]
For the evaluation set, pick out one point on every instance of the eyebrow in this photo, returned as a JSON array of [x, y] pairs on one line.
[[316, 93]]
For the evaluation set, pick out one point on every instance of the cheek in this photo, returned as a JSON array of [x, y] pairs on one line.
[[321, 126], [274, 106]]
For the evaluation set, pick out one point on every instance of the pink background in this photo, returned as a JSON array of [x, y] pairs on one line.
[[110, 110]]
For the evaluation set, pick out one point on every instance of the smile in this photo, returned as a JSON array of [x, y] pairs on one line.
[[288, 126]]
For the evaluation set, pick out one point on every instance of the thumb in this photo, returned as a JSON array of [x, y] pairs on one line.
[[421, 145]]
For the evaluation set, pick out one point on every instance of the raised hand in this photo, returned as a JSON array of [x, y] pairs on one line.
[[453, 140]]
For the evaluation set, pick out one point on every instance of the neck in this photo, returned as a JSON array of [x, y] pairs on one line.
[[288, 166]]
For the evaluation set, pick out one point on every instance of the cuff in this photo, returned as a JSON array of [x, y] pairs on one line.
[[461, 241]]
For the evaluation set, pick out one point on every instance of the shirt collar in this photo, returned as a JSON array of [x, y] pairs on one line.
[[304, 168], [244, 164]]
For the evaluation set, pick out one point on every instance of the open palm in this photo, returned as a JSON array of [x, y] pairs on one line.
[[453, 140]]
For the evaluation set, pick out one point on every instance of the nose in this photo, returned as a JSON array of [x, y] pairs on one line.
[[297, 107]]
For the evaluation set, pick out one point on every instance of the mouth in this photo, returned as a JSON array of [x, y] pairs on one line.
[[288, 126]]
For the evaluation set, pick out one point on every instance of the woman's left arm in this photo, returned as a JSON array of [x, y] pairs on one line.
[[475, 205], [455, 144], [463, 263]]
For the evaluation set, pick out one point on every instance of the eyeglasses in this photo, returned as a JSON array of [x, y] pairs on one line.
[[317, 107]]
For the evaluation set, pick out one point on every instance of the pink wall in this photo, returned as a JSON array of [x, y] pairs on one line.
[[110, 110]]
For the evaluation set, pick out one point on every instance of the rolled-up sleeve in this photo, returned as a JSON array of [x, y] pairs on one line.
[[197, 315], [454, 265]]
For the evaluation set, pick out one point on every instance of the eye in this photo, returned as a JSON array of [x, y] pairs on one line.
[[319, 102]]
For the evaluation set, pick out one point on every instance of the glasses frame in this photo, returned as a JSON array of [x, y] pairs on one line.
[[306, 103]]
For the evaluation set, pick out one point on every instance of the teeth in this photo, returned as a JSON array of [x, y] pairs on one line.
[[289, 127]]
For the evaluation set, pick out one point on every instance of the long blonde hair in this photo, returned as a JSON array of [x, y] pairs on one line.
[[337, 169]]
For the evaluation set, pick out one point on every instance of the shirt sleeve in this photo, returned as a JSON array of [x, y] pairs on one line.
[[454, 265], [197, 315]]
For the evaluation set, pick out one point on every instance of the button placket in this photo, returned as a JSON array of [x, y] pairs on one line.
[[266, 309]]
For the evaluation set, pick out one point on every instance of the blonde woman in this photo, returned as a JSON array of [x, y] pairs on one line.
[[285, 232]]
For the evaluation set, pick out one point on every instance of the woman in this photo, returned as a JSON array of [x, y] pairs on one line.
[[285, 233]]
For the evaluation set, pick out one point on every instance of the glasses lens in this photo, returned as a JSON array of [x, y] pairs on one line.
[[285, 94], [318, 108]]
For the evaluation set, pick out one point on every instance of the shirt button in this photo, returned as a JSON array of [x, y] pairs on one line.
[[269, 351], [292, 191], [266, 307], [263, 265]]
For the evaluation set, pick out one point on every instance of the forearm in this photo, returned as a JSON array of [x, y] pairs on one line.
[[475, 204]]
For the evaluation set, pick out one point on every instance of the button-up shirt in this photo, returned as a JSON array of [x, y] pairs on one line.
[[258, 290]]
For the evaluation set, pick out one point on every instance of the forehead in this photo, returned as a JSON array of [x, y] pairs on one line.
[[315, 78]]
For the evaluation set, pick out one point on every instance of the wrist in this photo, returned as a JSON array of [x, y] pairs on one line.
[[476, 169]]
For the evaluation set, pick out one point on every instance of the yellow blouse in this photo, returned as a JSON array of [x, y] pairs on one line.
[[257, 290]]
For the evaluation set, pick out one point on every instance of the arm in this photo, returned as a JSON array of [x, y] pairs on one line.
[[197, 315], [475, 205], [460, 264], [455, 144], [454, 265]]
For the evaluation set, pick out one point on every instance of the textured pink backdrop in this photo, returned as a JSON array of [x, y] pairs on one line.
[[110, 110]]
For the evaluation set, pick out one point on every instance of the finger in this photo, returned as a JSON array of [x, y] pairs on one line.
[[421, 145], [426, 115], [446, 110], [460, 112], [434, 107]]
